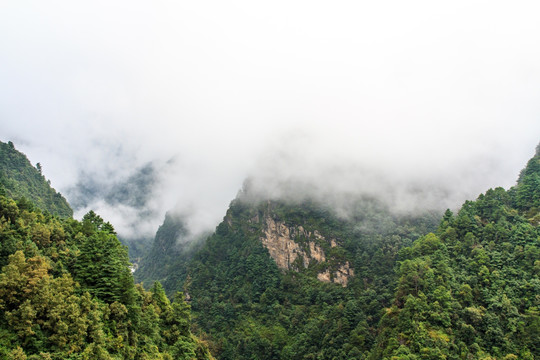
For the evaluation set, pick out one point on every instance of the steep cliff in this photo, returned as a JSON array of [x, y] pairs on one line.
[[295, 248]]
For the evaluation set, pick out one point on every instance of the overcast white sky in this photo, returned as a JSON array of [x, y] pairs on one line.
[[410, 89]]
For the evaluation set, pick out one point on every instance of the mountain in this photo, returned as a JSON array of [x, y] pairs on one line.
[[471, 290], [169, 255], [296, 279], [67, 291], [18, 179], [293, 279]]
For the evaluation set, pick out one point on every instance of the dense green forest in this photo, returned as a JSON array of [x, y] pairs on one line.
[[254, 310], [18, 178], [463, 286], [472, 289], [67, 292], [278, 279]]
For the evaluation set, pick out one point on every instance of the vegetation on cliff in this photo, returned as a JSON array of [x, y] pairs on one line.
[[19, 179]]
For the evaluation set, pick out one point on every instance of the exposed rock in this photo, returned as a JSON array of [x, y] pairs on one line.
[[279, 240], [281, 247], [340, 276], [316, 252], [324, 276]]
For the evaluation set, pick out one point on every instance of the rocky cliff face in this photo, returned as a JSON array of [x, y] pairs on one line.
[[340, 276], [293, 248]]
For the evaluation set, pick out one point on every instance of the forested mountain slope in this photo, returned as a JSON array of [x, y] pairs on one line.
[[169, 255], [293, 280], [472, 289], [18, 178], [67, 292]]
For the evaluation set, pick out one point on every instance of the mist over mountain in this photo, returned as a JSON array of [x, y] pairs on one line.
[[442, 95], [295, 272], [131, 198], [136, 197], [283, 167], [287, 274]]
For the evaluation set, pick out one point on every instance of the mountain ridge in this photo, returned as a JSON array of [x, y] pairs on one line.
[[18, 179], [262, 268]]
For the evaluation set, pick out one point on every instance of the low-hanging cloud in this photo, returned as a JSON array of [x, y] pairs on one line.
[[381, 96]]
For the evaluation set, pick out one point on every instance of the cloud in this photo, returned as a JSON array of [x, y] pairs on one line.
[[211, 92]]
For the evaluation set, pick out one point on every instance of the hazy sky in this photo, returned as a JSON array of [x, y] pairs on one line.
[[210, 92]]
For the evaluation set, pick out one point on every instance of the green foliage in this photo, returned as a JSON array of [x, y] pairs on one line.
[[526, 194], [467, 289], [102, 268], [167, 259], [253, 310], [472, 291], [66, 292], [19, 180]]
